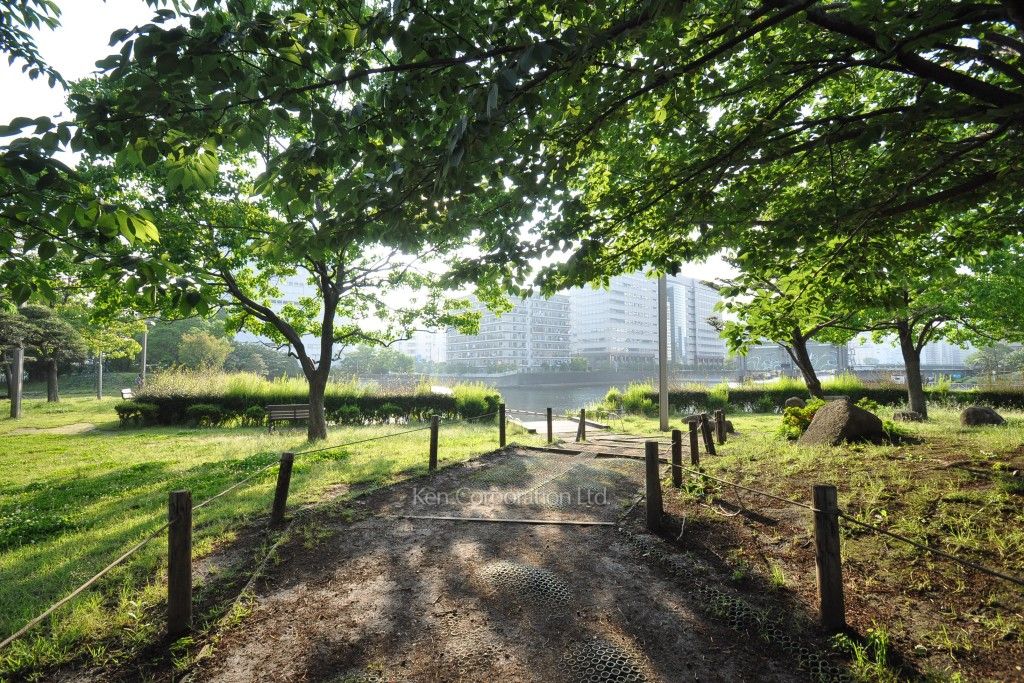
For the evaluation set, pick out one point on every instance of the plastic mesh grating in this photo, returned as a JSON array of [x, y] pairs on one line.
[[600, 662], [524, 583], [357, 676]]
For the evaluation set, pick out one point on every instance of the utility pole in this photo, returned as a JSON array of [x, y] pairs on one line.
[[663, 352]]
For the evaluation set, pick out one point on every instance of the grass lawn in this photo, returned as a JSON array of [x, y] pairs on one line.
[[76, 490], [957, 489]]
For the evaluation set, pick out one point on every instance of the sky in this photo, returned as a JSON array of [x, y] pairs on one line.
[[83, 38]]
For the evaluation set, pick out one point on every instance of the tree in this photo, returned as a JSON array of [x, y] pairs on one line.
[[258, 358], [989, 360], [54, 341], [14, 329], [366, 360], [203, 351], [165, 337]]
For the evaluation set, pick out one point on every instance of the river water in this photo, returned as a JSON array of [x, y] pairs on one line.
[[558, 398]]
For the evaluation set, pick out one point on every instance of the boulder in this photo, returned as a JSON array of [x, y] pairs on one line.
[[839, 421], [907, 416], [795, 402], [973, 416], [729, 429]]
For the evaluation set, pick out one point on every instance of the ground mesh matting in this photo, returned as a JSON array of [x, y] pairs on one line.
[[530, 485]]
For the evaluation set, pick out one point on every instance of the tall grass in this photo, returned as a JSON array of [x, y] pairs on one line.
[[173, 392]]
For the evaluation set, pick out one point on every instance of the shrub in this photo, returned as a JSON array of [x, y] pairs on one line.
[[348, 415], [388, 411], [613, 399], [138, 413], [843, 383], [764, 404], [795, 421], [254, 416], [474, 400], [718, 396], [868, 404], [637, 399], [205, 415]]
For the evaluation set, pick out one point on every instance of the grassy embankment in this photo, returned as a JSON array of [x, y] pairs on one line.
[[957, 489], [72, 500]]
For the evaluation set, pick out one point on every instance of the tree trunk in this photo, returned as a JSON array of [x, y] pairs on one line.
[[798, 352], [51, 381], [317, 429], [912, 364]]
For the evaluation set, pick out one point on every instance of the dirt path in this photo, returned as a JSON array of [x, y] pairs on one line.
[[371, 595]]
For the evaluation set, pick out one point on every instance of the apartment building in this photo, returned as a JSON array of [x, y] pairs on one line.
[[618, 325], [534, 335]]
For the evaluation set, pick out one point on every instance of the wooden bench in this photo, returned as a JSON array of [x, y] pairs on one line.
[[286, 412], [127, 394]]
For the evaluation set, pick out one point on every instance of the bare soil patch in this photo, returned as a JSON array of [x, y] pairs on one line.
[[363, 594]]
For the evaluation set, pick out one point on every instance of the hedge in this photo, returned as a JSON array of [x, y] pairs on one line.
[[764, 400], [237, 399]]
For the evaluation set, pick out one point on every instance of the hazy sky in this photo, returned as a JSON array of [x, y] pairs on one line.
[[83, 38]]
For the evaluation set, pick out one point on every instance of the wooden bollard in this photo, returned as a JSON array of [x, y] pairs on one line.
[[677, 458], [705, 428], [179, 563], [583, 424], [551, 427], [435, 426], [501, 425], [694, 444], [653, 481], [284, 481], [827, 559], [720, 426]]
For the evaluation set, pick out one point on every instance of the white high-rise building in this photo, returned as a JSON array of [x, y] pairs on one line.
[[425, 346], [866, 352], [534, 335], [619, 325]]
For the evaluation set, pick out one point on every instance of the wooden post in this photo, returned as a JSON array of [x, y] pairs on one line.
[[179, 563], [501, 425], [17, 383], [583, 424], [677, 458], [551, 427], [828, 564], [720, 426], [653, 481], [284, 480], [705, 428], [694, 445], [435, 425]]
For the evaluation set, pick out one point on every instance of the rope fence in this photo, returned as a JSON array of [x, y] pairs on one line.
[[277, 511]]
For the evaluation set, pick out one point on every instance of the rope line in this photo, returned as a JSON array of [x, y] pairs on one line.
[[747, 488], [949, 556], [352, 443], [63, 601]]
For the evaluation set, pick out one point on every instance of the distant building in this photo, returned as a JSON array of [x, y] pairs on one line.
[[773, 358], [532, 336], [865, 353], [619, 325], [429, 347]]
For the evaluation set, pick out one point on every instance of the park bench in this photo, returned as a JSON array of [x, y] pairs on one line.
[[127, 394], [286, 412]]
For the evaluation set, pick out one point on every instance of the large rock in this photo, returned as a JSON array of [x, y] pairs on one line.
[[729, 428], [839, 421], [907, 416], [795, 402], [973, 416]]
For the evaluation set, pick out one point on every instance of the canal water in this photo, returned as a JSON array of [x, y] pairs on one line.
[[559, 399]]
